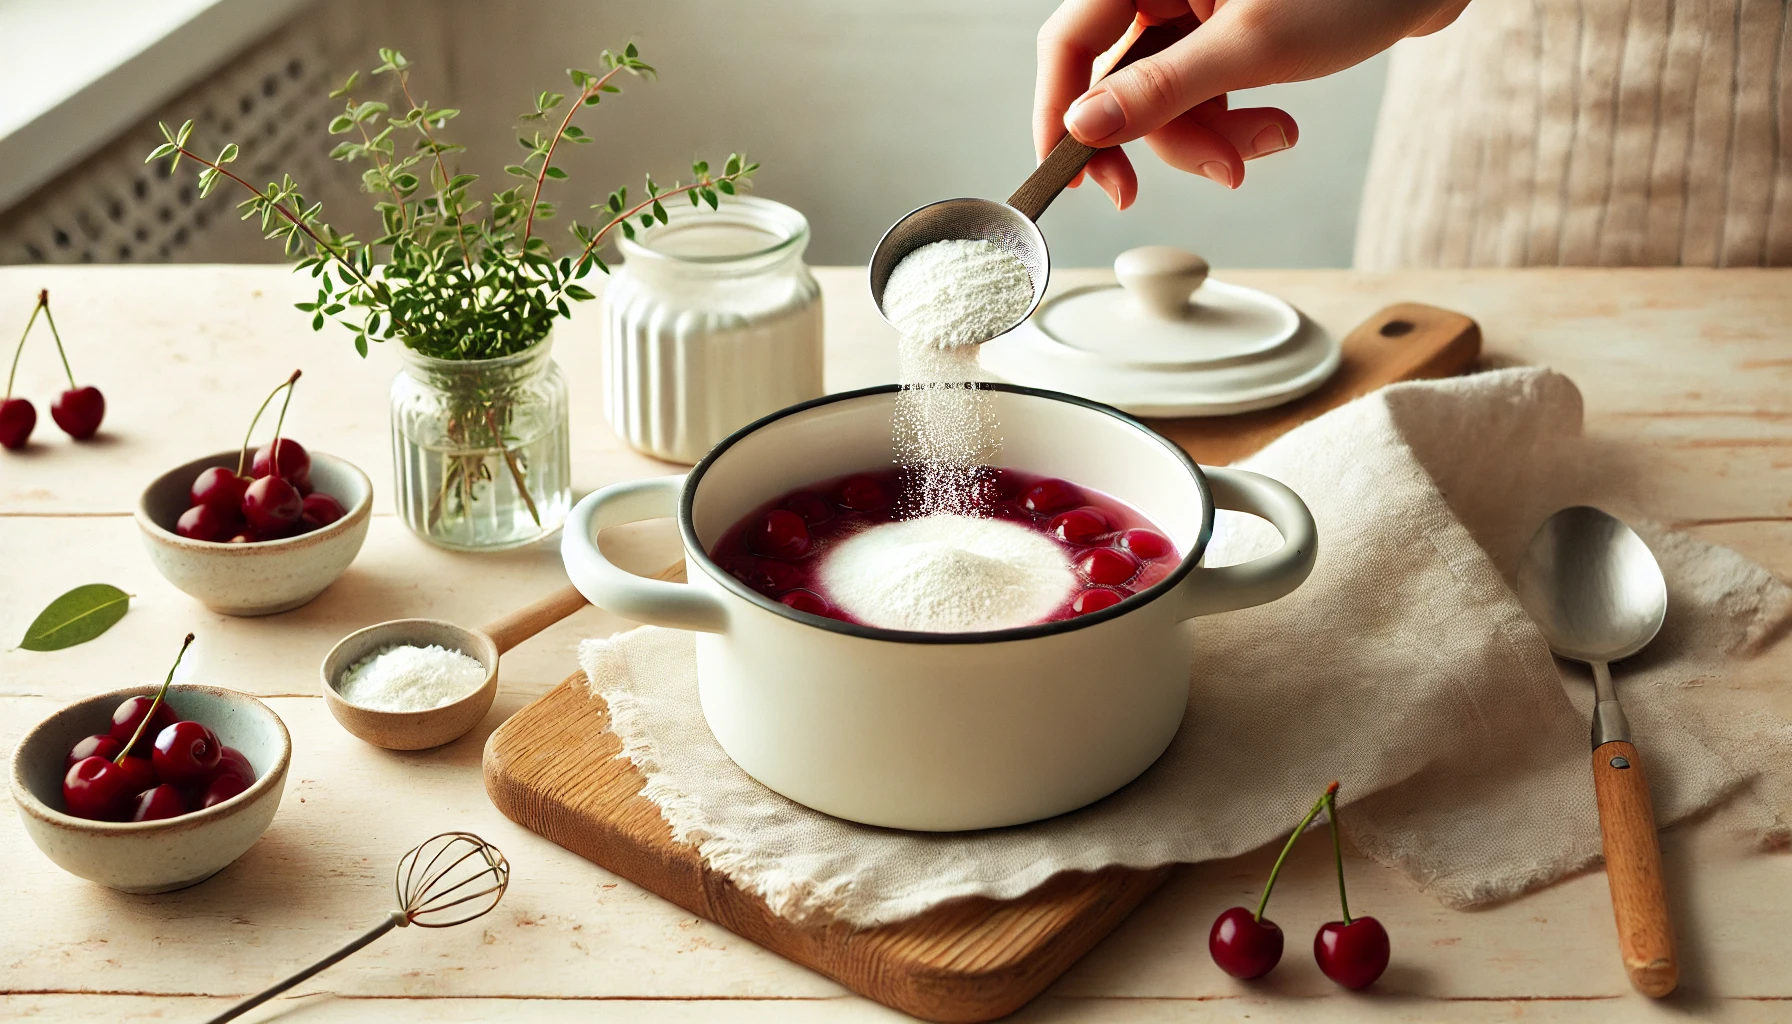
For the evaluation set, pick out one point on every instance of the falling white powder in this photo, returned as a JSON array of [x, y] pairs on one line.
[[948, 574], [408, 678], [946, 298]]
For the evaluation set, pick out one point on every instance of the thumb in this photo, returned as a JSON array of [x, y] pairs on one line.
[[1214, 59]]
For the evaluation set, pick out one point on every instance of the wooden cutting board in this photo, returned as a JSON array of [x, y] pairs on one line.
[[555, 769]]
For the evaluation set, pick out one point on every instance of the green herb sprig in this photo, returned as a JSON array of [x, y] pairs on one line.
[[450, 277]]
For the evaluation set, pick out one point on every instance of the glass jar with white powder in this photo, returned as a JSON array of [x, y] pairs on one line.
[[712, 321]]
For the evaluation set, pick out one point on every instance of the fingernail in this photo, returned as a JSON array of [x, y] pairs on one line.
[[1218, 172], [1095, 117], [1270, 140]]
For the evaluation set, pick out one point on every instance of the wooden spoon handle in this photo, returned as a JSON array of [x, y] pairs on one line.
[[524, 623], [1068, 157], [1633, 867]]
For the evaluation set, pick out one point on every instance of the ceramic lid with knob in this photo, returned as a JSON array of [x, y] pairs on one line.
[[1167, 340]]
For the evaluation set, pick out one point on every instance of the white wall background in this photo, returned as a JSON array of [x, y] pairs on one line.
[[862, 110]]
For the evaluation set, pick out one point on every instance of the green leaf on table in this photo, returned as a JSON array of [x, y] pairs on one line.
[[76, 617]]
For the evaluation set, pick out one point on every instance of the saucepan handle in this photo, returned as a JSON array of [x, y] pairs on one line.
[[613, 588], [1261, 580]]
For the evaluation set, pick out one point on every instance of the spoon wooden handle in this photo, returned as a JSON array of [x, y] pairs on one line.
[[1633, 867], [524, 623], [1069, 156]]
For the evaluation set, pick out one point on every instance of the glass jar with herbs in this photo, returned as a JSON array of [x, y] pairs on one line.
[[469, 288]]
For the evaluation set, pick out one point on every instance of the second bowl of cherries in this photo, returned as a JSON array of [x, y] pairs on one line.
[[266, 563]]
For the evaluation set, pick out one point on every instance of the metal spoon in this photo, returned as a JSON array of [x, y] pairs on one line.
[[1598, 595], [1011, 225]]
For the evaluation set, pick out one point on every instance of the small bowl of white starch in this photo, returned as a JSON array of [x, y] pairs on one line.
[[410, 684]]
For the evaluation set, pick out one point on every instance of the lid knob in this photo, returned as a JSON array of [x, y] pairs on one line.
[[1161, 277]]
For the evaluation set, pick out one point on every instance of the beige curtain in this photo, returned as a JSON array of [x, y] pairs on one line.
[[1586, 133]]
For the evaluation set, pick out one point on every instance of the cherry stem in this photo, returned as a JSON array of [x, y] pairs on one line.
[[242, 458], [154, 704], [21, 349], [1286, 848], [274, 457], [43, 301], [1331, 815]]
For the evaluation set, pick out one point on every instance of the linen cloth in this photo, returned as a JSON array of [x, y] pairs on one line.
[[1404, 667]]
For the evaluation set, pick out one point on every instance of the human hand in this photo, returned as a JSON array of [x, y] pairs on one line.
[[1176, 100]]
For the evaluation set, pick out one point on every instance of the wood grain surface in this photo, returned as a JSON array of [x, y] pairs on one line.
[[554, 768], [1633, 869]]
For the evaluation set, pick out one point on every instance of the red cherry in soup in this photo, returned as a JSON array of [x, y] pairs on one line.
[[78, 411], [781, 533], [94, 788], [186, 752], [1079, 525], [1146, 544], [102, 745], [812, 507], [126, 716], [1354, 954], [1244, 946], [806, 601], [1105, 565], [1052, 496], [1095, 599], [139, 773], [163, 801], [17, 417], [319, 510], [204, 522], [863, 494], [272, 505], [765, 575], [220, 488], [295, 462], [220, 789]]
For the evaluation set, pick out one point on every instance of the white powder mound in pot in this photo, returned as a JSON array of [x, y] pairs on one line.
[[948, 574]]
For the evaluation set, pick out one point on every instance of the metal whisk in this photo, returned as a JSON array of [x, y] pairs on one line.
[[446, 880]]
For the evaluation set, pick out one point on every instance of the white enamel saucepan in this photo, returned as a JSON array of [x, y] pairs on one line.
[[941, 731]]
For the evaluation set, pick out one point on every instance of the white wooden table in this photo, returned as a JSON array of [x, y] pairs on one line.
[[1687, 373]]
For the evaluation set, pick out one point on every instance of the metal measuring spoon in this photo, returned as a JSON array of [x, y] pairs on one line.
[[417, 730], [1595, 590], [1011, 225]]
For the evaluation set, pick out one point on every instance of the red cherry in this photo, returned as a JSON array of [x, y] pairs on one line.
[[1354, 954], [205, 522], [319, 510], [164, 801], [220, 789], [231, 761], [139, 774], [78, 411], [806, 601], [1079, 525], [781, 534], [1243, 945], [95, 788], [102, 745], [1146, 544], [186, 752], [220, 488], [1105, 565], [1095, 599], [126, 716], [763, 574], [863, 494], [812, 507], [295, 462], [1049, 496], [17, 417], [272, 505]]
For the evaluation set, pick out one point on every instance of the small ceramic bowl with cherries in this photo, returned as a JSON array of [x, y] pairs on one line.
[[198, 788], [221, 537], [843, 662]]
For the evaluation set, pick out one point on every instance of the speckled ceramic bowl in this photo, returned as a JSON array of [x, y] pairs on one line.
[[151, 856], [262, 578]]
